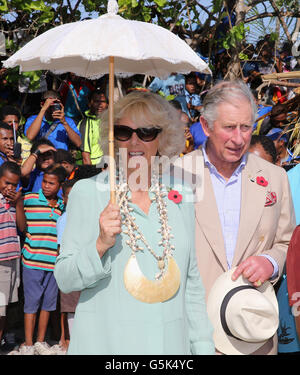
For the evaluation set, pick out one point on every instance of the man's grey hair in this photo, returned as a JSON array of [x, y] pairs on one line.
[[226, 92]]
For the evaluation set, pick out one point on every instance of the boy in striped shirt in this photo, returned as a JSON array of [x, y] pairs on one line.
[[39, 254], [11, 217]]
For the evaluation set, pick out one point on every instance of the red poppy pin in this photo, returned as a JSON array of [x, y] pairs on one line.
[[175, 196], [260, 180]]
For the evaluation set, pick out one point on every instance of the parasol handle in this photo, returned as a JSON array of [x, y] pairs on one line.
[[112, 171]]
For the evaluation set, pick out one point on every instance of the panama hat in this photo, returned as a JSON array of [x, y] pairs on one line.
[[244, 317]]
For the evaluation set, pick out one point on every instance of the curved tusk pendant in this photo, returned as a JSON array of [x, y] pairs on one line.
[[151, 291]]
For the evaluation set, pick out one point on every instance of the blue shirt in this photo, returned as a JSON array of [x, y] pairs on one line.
[[194, 99], [294, 180], [82, 99], [249, 67], [3, 158], [198, 134], [288, 340], [59, 136], [261, 110], [228, 198], [173, 85], [60, 227]]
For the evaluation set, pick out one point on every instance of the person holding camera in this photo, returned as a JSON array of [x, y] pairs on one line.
[[51, 123], [12, 116], [6, 143]]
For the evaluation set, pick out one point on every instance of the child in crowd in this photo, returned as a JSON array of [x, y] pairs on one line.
[[42, 156], [42, 209], [11, 217], [68, 302], [190, 101], [193, 101]]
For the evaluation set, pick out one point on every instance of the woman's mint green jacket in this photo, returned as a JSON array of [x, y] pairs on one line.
[[108, 320]]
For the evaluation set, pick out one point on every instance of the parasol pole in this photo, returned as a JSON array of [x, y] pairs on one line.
[[112, 171]]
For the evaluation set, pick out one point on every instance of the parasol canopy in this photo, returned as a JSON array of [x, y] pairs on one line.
[[84, 48], [108, 44]]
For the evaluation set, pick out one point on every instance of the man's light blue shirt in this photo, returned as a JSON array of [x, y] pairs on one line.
[[228, 198]]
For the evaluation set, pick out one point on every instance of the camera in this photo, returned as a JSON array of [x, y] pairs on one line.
[[55, 107]]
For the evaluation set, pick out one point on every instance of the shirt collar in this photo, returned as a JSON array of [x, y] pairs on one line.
[[50, 122], [42, 198], [210, 165], [188, 94], [3, 155], [90, 115]]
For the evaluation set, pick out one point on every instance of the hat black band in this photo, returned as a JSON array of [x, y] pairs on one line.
[[224, 306]]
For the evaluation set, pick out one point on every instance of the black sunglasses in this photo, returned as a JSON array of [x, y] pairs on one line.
[[124, 133]]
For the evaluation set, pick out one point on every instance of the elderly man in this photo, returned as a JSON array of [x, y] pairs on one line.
[[245, 217]]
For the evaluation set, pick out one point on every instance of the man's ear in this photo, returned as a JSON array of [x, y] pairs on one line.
[[205, 126]]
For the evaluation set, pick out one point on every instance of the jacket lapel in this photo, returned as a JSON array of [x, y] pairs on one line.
[[253, 200], [207, 217]]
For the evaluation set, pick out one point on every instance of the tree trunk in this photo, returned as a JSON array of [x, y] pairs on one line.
[[234, 66]]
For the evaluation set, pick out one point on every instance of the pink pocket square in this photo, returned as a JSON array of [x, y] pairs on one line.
[[271, 198]]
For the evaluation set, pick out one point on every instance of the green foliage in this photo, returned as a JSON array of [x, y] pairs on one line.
[[217, 6], [12, 76], [234, 36], [161, 3], [35, 77], [167, 97], [274, 37], [243, 56], [3, 6], [10, 45], [33, 17]]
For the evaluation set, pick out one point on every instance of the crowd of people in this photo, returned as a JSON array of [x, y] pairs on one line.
[[61, 266]]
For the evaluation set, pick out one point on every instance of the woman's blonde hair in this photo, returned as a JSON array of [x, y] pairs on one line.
[[148, 110]]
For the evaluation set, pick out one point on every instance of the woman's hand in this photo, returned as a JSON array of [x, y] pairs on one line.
[[109, 226]]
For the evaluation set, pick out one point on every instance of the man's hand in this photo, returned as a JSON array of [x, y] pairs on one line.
[[59, 114], [257, 269], [48, 103], [45, 148]]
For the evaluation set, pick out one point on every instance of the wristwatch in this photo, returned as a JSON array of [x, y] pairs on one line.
[[36, 153]]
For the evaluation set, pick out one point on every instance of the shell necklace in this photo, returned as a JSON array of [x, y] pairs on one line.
[[167, 280]]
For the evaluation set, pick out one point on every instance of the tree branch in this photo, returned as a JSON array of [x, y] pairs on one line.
[[206, 11], [281, 20], [272, 14]]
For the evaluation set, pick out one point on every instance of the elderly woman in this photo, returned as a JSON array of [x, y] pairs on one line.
[[134, 262]]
